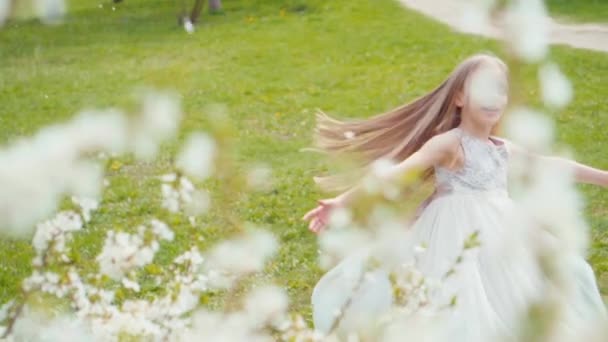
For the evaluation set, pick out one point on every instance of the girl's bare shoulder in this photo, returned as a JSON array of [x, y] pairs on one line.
[[446, 141], [444, 144]]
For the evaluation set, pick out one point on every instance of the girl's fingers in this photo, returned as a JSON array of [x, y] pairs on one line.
[[311, 213], [317, 225], [317, 216], [311, 225], [323, 206], [307, 215], [323, 217]]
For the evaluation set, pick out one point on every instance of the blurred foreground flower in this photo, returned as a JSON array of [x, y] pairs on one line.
[[36, 172]]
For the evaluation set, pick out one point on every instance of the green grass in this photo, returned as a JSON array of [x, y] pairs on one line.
[[272, 63], [579, 10]]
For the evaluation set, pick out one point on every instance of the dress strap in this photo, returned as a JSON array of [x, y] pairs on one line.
[[461, 141], [462, 136]]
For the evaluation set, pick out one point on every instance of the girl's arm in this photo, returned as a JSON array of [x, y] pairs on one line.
[[436, 151], [582, 173]]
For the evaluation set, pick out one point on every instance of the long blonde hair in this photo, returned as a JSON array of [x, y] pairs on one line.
[[398, 133]]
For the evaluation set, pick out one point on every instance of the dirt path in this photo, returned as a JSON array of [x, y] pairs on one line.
[[450, 12]]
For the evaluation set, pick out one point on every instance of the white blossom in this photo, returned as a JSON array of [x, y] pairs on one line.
[[379, 180], [168, 178], [130, 284], [197, 155], [555, 87], [296, 329], [180, 194], [56, 232], [340, 217], [267, 304], [349, 135], [552, 201], [432, 327], [39, 170], [529, 128], [259, 177], [161, 115], [134, 317], [185, 301], [393, 243], [37, 326], [210, 326], [199, 203], [549, 217], [476, 15], [44, 281], [527, 29], [143, 145], [336, 244], [192, 257], [100, 129], [170, 198], [382, 167], [85, 179], [186, 188], [215, 326], [242, 255], [414, 291], [87, 205], [161, 230], [123, 252]]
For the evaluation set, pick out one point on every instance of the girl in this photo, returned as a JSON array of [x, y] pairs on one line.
[[448, 132]]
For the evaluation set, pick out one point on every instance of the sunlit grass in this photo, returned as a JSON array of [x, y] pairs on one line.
[[580, 10]]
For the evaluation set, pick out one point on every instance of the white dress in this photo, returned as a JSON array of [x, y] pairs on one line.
[[493, 286]]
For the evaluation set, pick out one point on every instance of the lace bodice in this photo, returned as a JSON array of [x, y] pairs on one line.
[[484, 169]]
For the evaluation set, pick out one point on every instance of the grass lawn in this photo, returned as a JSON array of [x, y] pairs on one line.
[[579, 10], [271, 63]]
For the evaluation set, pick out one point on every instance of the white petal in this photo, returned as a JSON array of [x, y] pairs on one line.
[[555, 87], [196, 158], [530, 129]]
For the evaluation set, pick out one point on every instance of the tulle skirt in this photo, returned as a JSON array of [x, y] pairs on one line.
[[493, 284]]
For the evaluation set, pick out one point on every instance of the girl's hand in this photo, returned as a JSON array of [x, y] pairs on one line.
[[319, 216]]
